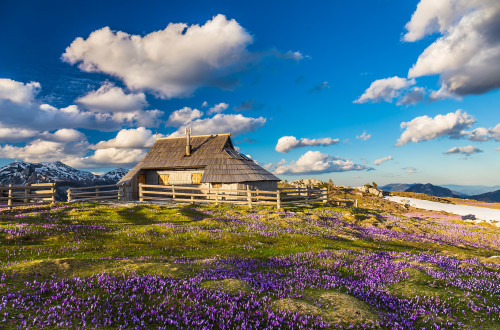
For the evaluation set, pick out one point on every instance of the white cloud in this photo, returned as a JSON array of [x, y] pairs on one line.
[[109, 98], [220, 123], [171, 62], [413, 96], [218, 108], [381, 160], [427, 128], [316, 162], [479, 134], [17, 92], [273, 166], [64, 135], [130, 138], [495, 132], [183, 116], [32, 115], [467, 53], [204, 104], [12, 134], [109, 157], [385, 90], [467, 150], [364, 136], [45, 151], [287, 143]]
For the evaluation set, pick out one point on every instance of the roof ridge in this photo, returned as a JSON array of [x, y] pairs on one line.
[[193, 136]]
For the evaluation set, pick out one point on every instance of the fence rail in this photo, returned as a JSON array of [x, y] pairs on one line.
[[95, 193], [20, 195], [248, 197]]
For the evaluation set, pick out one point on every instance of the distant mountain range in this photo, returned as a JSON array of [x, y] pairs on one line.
[[445, 191], [63, 175], [432, 190], [490, 197]]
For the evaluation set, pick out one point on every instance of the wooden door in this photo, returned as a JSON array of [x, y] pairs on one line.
[[142, 178]]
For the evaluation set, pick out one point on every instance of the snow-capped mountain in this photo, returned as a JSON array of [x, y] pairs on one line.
[[65, 176]]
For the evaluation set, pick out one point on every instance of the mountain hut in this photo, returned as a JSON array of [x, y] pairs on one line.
[[204, 161]]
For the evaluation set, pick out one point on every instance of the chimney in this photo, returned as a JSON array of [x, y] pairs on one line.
[[188, 141]]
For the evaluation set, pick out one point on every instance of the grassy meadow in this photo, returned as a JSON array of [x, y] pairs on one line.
[[227, 267]]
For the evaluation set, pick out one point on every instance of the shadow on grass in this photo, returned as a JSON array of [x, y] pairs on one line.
[[192, 213], [136, 216]]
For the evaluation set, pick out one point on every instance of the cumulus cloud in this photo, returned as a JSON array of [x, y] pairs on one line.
[[385, 90], [273, 166], [221, 123], [140, 137], [467, 150], [109, 98], [12, 134], [495, 132], [171, 62], [287, 143], [122, 157], [381, 160], [427, 128], [40, 150], [467, 53], [317, 162], [218, 108], [364, 136], [413, 96], [20, 109], [64, 135], [17, 92], [479, 134], [183, 116]]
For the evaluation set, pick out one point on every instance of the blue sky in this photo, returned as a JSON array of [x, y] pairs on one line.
[[357, 91]]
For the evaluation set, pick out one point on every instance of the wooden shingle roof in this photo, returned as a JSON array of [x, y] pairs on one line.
[[214, 153]]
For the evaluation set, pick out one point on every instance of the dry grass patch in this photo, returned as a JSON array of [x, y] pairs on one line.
[[228, 285], [333, 307]]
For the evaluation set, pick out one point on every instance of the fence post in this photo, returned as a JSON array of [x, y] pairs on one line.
[[69, 194], [121, 193], [249, 196], [355, 203], [216, 196], [97, 192], [53, 193], [308, 192], [9, 203], [173, 192], [141, 196], [278, 199], [26, 193], [325, 195]]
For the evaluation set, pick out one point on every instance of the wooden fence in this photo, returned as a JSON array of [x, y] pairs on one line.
[[232, 196], [95, 193], [20, 195]]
